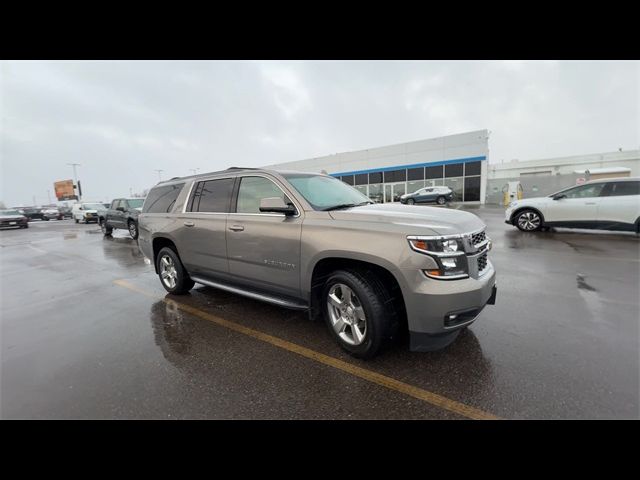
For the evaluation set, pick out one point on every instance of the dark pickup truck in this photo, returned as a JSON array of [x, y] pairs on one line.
[[123, 213]]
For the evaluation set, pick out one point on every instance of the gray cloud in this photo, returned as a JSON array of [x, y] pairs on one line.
[[122, 120]]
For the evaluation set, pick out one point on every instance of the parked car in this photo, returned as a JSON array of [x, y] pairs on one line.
[[608, 204], [13, 218], [311, 242], [86, 212], [52, 213], [123, 213], [33, 213], [439, 195], [66, 212]]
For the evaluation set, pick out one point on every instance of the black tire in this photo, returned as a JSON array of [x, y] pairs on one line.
[[441, 200], [183, 282], [381, 319], [411, 201], [26, 225], [106, 230], [133, 229], [77, 221], [528, 220], [46, 219]]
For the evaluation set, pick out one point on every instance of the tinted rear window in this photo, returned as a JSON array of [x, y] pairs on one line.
[[212, 196], [161, 199], [619, 189]]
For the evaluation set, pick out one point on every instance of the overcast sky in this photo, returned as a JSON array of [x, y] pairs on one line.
[[123, 120]]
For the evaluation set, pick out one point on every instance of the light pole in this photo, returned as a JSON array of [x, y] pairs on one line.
[[75, 177], [159, 176]]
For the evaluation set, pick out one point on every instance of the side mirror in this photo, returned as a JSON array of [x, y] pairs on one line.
[[559, 196], [276, 205]]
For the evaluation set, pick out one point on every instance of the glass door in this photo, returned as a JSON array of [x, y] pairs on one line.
[[393, 191], [387, 194]]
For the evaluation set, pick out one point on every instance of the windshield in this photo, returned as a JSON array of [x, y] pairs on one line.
[[325, 192], [93, 206], [9, 212], [135, 202]]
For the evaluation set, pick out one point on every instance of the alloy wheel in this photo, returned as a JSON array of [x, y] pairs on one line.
[[529, 221], [168, 272], [347, 315]]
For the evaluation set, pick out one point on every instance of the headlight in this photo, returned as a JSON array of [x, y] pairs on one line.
[[448, 253], [439, 246]]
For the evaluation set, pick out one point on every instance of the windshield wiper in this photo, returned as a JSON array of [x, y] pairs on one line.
[[345, 205]]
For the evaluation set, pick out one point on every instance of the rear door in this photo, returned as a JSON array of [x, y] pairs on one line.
[[264, 248], [580, 204], [201, 237], [619, 203]]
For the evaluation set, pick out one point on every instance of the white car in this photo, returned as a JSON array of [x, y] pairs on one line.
[[86, 212], [608, 204]]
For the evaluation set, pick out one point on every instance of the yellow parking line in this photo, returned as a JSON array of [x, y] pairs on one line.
[[369, 375]]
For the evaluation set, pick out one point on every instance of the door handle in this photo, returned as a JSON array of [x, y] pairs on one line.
[[189, 224], [236, 228]]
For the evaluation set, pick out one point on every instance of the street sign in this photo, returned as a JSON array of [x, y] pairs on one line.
[[64, 190]]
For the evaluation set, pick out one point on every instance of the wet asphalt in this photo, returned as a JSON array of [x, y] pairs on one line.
[[560, 343]]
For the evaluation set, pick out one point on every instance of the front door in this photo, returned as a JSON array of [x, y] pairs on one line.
[[580, 204], [264, 248]]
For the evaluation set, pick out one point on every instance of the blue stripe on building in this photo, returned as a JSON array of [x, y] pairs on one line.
[[413, 165]]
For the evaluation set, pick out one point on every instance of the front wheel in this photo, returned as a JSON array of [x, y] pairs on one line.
[[356, 309], [106, 230], [528, 221], [133, 229], [173, 276], [411, 201]]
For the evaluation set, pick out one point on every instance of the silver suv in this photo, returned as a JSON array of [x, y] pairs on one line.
[[311, 242]]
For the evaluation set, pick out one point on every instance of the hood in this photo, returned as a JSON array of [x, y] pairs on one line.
[[138, 209], [11, 217], [415, 220], [89, 211]]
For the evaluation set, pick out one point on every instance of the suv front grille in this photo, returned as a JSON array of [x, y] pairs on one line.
[[478, 238]]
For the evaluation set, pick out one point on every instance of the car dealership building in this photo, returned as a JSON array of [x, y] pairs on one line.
[[461, 162]]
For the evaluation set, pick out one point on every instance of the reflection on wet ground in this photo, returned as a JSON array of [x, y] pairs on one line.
[[561, 342]]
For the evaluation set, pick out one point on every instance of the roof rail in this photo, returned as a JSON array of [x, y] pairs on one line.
[[242, 168]]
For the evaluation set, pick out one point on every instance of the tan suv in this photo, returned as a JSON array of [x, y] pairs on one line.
[[311, 242]]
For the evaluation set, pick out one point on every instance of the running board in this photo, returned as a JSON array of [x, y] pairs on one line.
[[263, 297]]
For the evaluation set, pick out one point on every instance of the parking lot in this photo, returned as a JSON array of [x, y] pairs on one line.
[[88, 332]]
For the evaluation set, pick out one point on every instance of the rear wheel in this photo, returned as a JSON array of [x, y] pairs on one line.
[[358, 312], [173, 276], [133, 229], [528, 220], [441, 200]]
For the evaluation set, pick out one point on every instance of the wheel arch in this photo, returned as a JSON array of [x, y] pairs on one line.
[[323, 268], [521, 209], [157, 244]]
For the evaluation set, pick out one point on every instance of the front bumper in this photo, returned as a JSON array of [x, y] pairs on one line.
[[438, 309]]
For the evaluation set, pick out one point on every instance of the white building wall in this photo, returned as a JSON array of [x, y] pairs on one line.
[[567, 165]]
